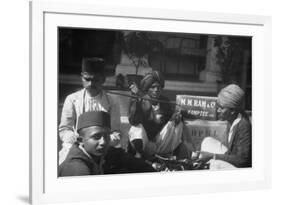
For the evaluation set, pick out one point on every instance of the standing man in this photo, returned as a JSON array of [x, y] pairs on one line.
[[238, 151], [93, 155], [90, 98]]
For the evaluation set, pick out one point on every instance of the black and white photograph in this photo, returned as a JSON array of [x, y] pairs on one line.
[[143, 101], [132, 101]]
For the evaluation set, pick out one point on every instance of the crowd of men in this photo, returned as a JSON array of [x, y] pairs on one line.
[[90, 128]]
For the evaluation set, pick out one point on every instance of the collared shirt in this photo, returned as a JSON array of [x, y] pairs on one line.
[[79, 163], [96, 103], [99, 167], [235, 122], [79, 102]]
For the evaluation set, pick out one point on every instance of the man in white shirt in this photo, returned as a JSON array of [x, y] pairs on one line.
[[91, 98]]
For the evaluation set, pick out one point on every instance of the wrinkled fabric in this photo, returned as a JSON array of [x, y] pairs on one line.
[[212, 145], [231, 96], [116, 161], [238, 151], [77, 163], [166, 141], [152, 118], [77, 103], [235, 122], [220, 165]]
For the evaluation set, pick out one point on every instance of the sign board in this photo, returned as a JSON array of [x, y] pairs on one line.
[[198, 107], [197, 130]]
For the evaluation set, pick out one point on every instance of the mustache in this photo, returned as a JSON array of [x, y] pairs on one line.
[[155, 93], [102, 149], [92, 87]]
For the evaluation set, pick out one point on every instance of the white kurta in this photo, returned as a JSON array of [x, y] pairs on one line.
[[212, 145], [77, 103]]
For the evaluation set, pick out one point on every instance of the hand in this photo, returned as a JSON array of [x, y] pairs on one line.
[[115, 139], [158, 167], [205, 156], [195, 155], [146, 105], [134, 88], [177, 118]]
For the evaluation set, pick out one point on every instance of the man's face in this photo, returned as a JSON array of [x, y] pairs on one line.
[[155, 90], [224, 113], [96, 140], [92, 82]]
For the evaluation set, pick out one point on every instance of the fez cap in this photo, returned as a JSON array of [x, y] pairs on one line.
[[93, 65], [93, 118]]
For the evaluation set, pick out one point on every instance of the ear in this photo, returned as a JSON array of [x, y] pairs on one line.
[[81, 133], [233, 112]]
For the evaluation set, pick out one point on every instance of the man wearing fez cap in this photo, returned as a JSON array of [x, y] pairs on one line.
[[93, 156], [238, 150], [91, 98]]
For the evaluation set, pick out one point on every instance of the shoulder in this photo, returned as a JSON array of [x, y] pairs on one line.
[[113, 99], [75, 95], [75, 163], [74, 167], [245, 123], [243, 128]]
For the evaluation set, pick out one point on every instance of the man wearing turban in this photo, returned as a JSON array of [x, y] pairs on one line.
[[154, 128], [238, 150], [92, 155]]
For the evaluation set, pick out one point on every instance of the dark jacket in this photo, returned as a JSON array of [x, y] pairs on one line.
[[117, 161], [240, 147], [141, 112], [77, 163]]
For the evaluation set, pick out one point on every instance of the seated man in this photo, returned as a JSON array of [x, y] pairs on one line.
[[93, 155], [238, 151], [154, 128]]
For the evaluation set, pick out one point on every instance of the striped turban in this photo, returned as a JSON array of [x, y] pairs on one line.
[[231, 97], [150, 78]]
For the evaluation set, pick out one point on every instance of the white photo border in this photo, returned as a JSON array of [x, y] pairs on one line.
[[46, 187]]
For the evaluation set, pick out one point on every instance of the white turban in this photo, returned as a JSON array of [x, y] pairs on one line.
[[231, 96]]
